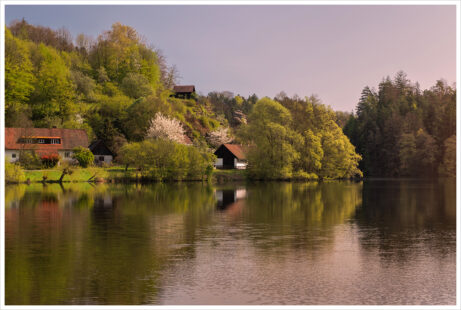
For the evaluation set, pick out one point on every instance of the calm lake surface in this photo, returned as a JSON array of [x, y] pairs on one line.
[[373, 242]]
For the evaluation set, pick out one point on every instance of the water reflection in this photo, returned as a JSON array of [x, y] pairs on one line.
[[399, 217], [225, 198], [381, 242]]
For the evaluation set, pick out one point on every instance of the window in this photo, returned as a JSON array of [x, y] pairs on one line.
[[43, 140], [67, 154], [101, 158], [13, 155]]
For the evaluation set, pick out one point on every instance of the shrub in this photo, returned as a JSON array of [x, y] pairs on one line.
[[13, 173], [50, 161], [83, 155], [29, 160], [166, 160], [302, 175]]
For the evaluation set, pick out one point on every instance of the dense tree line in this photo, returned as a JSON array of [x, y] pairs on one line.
[[401, 130], [297, 138]]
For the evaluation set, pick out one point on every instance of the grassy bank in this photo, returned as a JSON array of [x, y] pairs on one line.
[[228, 175], [120, 174], [77, 175], [91, 174]]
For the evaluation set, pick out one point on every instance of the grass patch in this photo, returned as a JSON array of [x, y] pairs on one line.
[[78, 174], [224, 175], [229, 171]]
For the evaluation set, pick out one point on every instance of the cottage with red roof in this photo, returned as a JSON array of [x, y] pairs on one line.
[[43, 141], [230, 156]]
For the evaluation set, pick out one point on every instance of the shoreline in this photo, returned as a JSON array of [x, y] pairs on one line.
[[120, 175]]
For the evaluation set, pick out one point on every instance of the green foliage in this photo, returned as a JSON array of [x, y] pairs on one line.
[[407, 146], [313, 152], [120, 51], [275, 143], [136, 85], [83, 155], [449, 157], [19, 79], [400, 130], [166, 160], [53, 90], [18, 71], [138, 117], [29, 160], [232, 110], [13, 173], [296, 138], [84, 84]]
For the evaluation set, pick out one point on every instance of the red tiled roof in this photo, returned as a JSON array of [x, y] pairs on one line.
[[184, 88], [70, 138], [237, 150]]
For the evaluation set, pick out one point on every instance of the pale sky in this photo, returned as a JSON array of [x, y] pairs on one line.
[[331, 51]]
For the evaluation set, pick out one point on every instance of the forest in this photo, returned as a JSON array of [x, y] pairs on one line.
[[118, 88], [401, 130]]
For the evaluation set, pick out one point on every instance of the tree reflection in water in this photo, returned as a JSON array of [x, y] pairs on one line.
[[134, 244]]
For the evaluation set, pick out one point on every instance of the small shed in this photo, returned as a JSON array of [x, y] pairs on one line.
[[184, 91], [102, 154], [230, 156]]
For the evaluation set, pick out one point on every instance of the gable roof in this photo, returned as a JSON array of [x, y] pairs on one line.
[[70, 138], [98, 147], [236, 149], [184, 88]]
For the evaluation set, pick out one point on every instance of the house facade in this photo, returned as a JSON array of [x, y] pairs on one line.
[[230, 156], [43, 141], [102, 154]]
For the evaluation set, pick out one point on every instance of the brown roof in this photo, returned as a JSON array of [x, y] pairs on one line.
[[237, 150], [184, 88], [70, 138]]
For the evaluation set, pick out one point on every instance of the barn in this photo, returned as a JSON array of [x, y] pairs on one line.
[[230, 156], [184, 91]]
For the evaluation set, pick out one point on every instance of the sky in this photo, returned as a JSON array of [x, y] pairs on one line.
[[330, 51]]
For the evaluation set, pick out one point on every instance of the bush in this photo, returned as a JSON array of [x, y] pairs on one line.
[[29, 160], [13, 173], [166, 160], [83, 155], [50, 161], [304, 176]]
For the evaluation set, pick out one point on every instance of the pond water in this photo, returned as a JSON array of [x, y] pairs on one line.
[[332, 243]]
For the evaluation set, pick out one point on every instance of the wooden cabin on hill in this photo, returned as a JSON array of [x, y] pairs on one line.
[[184, 91]]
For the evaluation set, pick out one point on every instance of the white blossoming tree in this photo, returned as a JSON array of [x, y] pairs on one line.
[[219, 136], [163, 127]]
